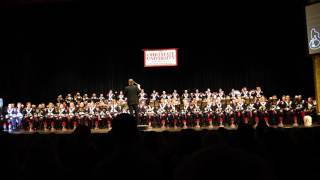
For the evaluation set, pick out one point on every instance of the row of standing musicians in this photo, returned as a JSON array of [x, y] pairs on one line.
[[188, 112]]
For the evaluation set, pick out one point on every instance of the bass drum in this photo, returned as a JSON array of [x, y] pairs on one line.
[[204, 104], [199, 103]]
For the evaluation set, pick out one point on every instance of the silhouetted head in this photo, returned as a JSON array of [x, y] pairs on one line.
[[124, 126], [82, 132]]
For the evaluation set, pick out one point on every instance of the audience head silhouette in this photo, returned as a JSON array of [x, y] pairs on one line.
[[82, 132], [124, 126]]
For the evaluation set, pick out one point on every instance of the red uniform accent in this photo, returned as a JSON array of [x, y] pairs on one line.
[[246, 120], [256, 119], [303, 114]]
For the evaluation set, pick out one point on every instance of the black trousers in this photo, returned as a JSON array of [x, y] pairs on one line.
[[136, 110]]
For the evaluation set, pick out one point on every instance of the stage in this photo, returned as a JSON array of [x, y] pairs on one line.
[[145, 129]]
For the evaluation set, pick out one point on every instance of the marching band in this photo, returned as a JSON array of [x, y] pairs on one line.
[[196, 109]]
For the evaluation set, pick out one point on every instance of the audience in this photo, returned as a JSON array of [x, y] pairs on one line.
[[245, 153]]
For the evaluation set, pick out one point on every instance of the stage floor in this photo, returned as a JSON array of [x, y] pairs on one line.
[[170, 129]]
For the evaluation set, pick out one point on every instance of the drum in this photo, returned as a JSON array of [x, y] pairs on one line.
[[307, 121], [199, 102], [204, 103]]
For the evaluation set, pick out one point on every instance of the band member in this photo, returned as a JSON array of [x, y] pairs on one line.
[[208, 93], [100, 114], [161, 112], [176, 119], [184, 114], [50, 117], [164, 95], [60, 99], [150, 115], [82, 116], [208, 107], [219, 113], [262, 112], [154, 99], [71, 116], [229, 114], [197, 95], [220, 94], [69, 99], [287, 106], [108, 118], [1, 107], [110, 96], [244, 92], [16, 116], [239, 108], [162, 106], [94, 98], [172, 111], [249, 112], [101, 98], [176, 102], [154, 96], [234, 94], [10, 117], [280, 112], [28, 116], [62, 117], [114, 108], [185, 95], [142, 96], [197, 116], [273, 110], [297, 108], [85, 98], [77, 97], [93, 114], [310, 106], [40, 113], [252, 93], [175, 95], [121, 97], [19, 115], [258, 92]]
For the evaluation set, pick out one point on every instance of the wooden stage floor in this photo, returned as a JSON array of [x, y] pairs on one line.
[[143, 128]]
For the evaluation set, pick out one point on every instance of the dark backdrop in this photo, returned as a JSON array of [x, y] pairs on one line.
[[57, 48]]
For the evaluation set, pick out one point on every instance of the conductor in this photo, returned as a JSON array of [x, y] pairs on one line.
[[131, 92]]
